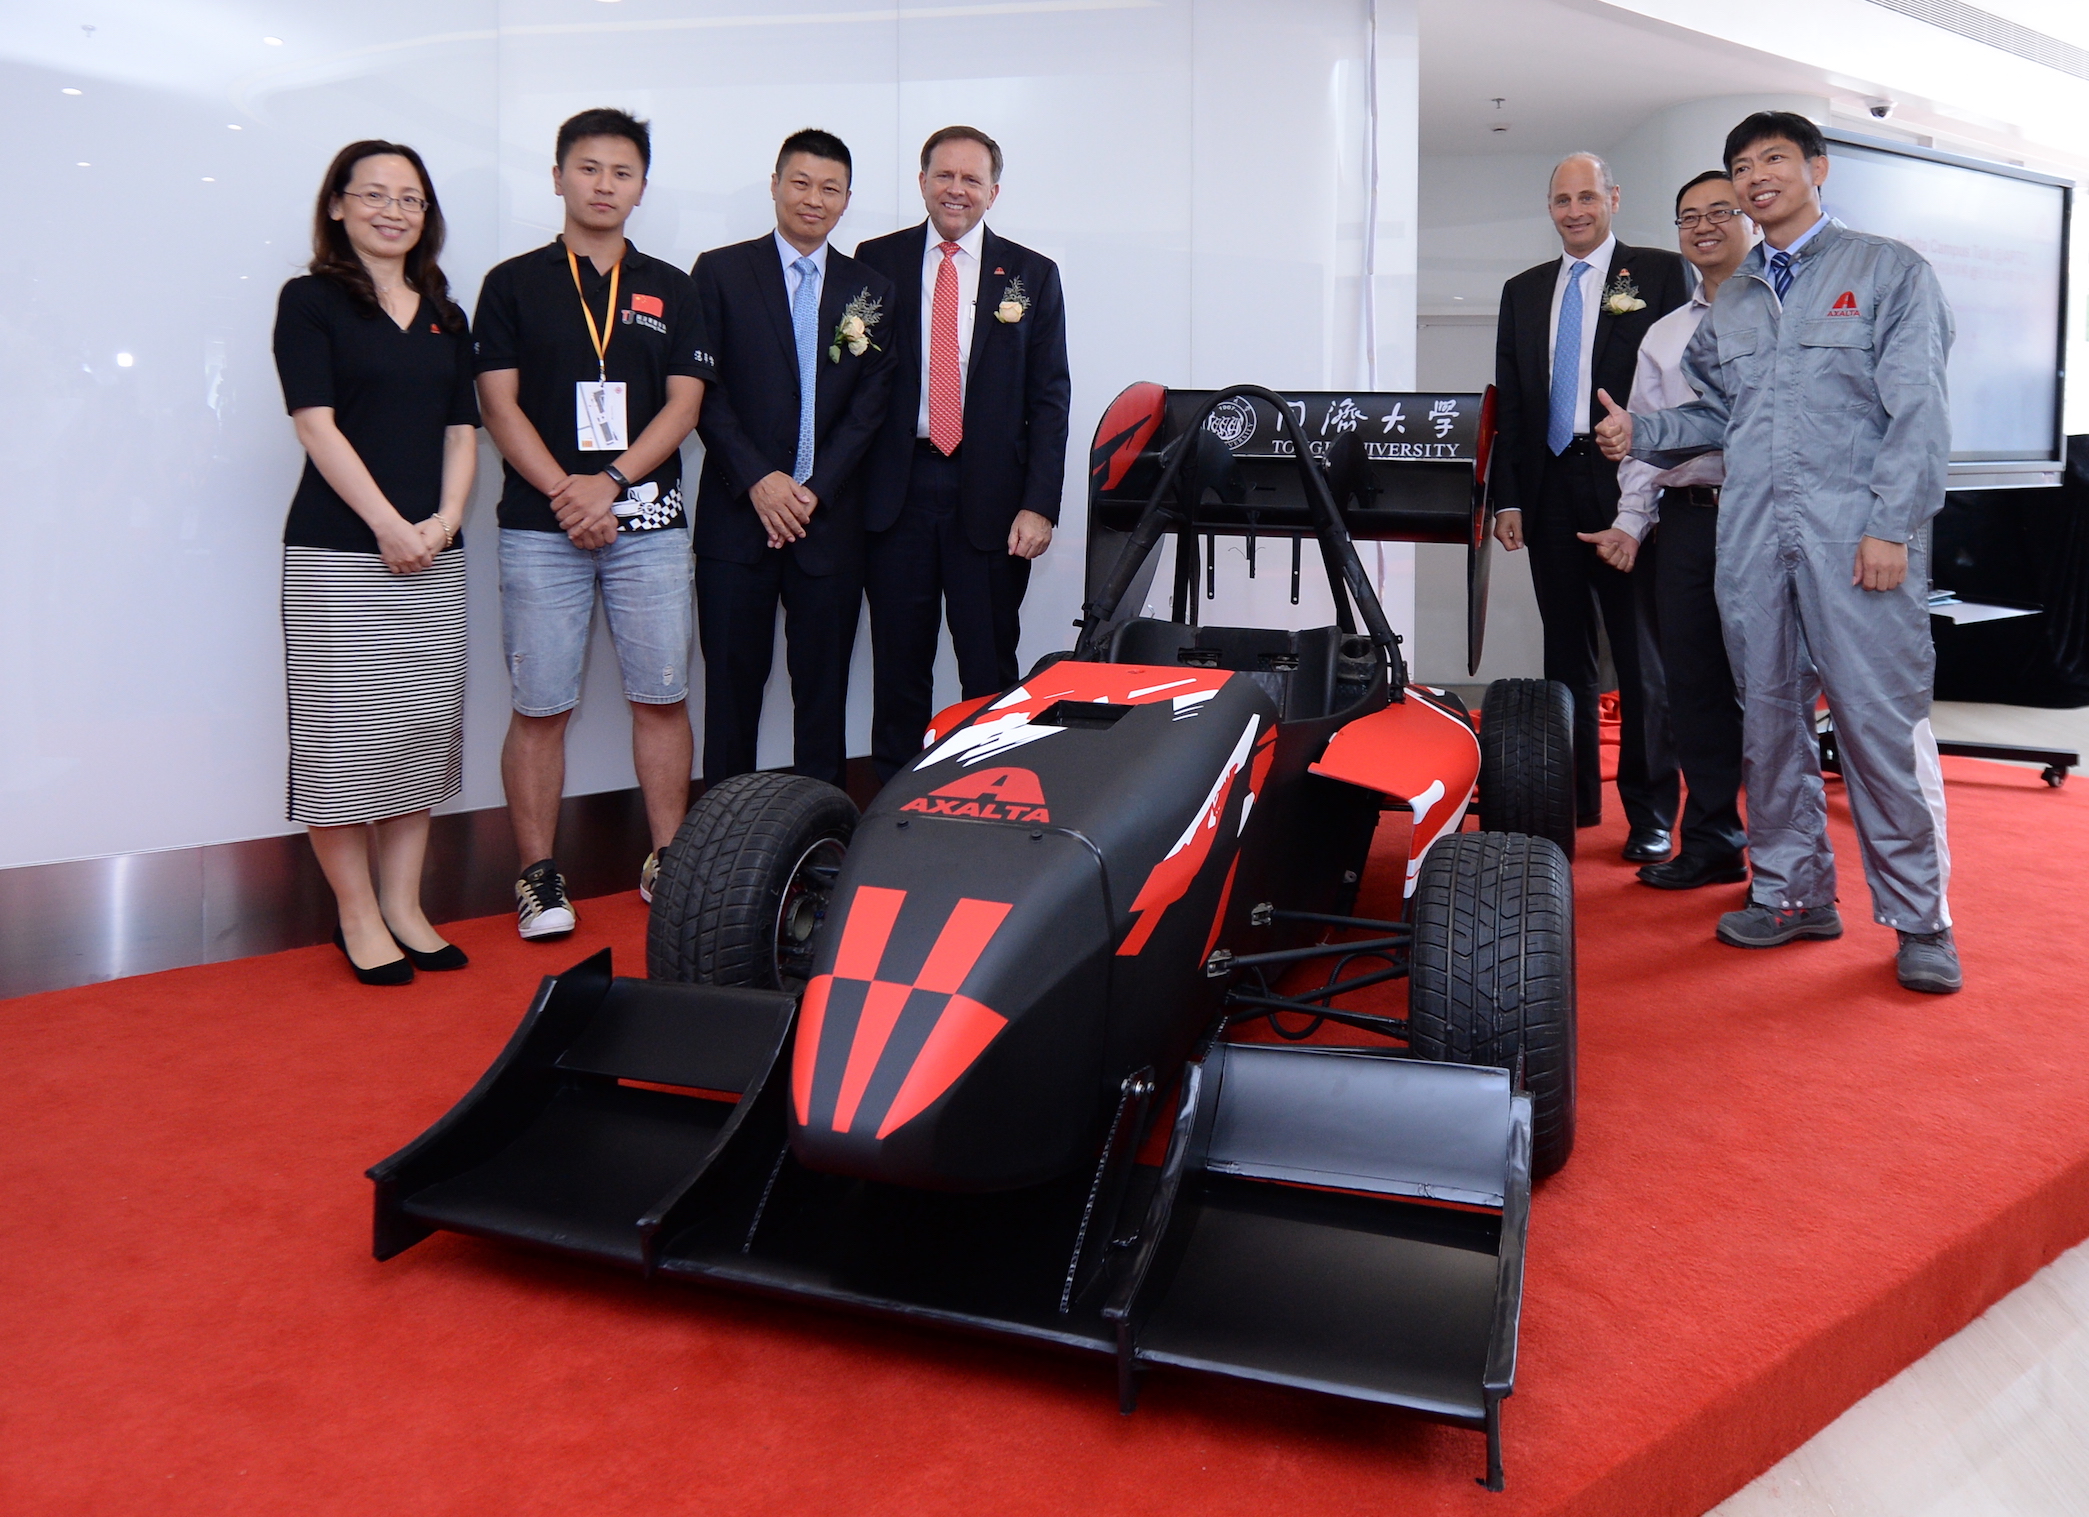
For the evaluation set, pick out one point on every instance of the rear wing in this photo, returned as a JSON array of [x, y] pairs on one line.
[[1402, 467]]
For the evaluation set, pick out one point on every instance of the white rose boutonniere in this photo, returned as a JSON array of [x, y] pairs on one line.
[[1015, 303], [853, 330], [1622, 298]]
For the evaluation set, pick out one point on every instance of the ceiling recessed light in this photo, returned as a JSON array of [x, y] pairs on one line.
[[273, 41], [124, 360], [208, 180], [83, 165], [234, 126], [68, 90]]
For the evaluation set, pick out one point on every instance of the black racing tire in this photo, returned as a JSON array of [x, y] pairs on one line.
[[750, 847], [1527, 760], [1493, 971]]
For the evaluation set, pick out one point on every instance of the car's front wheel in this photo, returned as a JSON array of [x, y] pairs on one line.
[[1493, 971], [746, 882]]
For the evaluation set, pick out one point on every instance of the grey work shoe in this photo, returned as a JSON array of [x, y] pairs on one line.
[[1760, 926], [1929, 961]]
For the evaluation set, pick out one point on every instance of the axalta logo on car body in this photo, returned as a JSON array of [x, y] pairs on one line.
[[1845, 305], [992, 795]]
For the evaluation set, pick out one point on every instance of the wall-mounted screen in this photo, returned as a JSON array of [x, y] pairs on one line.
[[1997, 238]]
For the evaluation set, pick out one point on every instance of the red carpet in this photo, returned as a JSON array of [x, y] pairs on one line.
[[1793, 1179]]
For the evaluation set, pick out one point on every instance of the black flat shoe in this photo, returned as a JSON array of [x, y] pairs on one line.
[[398, 972], [1647, 845], [449, 956], [1687, 873]]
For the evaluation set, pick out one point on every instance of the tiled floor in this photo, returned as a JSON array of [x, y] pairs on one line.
[[1995, 1421], [1992, 1423]]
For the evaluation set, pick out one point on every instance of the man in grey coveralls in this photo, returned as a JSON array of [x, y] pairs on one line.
[[1820, 371]]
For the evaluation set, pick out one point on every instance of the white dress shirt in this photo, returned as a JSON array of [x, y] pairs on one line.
[[791, 276], [1658, 385], [1592, 283], [965, 264]]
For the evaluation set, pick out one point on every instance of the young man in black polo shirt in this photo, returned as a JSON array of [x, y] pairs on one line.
[[592, 364]]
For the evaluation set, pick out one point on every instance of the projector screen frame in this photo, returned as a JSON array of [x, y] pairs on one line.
[[1997, 473]]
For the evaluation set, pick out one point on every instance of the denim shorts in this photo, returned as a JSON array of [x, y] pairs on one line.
[[547, 596]]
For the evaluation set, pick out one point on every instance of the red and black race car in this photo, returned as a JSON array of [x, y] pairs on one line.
[[908, 1061]]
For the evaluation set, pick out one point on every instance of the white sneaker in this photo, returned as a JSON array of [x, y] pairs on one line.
[[542, 909], [648, 875]]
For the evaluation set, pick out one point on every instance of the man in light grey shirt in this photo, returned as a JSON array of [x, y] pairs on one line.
[[1704, 712]]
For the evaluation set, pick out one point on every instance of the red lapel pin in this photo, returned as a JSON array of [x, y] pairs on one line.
[[1000, 271]]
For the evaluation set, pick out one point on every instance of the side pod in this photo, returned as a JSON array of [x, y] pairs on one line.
[[605, 1118], [1342, 1221]]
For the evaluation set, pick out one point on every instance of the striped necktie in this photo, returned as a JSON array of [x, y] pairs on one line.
[[1566, 364], [805, 319], [1781, 273]]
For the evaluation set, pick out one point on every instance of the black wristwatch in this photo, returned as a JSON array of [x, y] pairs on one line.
[[616, 477]]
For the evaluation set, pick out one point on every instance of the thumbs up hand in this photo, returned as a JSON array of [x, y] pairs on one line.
[[1614, 432]]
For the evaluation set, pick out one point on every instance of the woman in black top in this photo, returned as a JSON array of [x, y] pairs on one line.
[[375, 361]]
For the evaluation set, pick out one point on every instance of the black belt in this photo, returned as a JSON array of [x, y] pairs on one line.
[[1577, 445], [1690, 495]]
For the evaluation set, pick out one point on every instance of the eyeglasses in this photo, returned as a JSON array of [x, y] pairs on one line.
[[412, 205], [1718, 216]]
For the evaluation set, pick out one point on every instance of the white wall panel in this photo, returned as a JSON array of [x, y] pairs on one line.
[[1197, 167], [142, 675]]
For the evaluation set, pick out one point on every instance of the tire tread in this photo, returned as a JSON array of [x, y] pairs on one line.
[[1527, 760], [1493, 971], [715, 900]]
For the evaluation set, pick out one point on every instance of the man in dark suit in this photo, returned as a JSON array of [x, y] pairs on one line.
[[804, 340], [1568, 328], [961, 489]]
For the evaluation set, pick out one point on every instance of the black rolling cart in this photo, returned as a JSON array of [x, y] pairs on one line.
[[2010, 613]]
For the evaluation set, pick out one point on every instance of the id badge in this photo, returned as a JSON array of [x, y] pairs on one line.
[[598, 414]]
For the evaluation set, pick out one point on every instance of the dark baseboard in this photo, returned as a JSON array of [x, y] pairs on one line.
[[87, 920]]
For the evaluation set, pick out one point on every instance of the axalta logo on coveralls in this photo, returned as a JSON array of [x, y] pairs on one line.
[[1845, 305], [992, 795]]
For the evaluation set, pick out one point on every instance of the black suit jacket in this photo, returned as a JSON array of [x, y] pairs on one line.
[[1523, 365], [1017, 390], [749, 422]]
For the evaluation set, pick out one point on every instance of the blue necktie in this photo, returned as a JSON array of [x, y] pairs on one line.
[[805, 319], [1566, 364], [1781, 273]]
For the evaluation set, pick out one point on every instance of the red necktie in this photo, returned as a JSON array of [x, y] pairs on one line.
[[946, 392]]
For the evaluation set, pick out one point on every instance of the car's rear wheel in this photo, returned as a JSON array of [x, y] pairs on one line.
[[1493, 971], [1527, 760], [746, 883]]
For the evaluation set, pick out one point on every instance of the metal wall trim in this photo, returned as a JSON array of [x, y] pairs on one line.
[[89, 920]]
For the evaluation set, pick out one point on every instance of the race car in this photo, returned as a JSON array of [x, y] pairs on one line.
[[911, 1061]]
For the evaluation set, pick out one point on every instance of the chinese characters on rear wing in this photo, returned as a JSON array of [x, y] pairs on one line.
[[1391, 427]]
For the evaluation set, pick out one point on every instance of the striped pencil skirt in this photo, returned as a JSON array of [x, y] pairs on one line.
[[376, 671]]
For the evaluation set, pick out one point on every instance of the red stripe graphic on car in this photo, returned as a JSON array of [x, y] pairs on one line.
[[1172, 877], [963, 1028], [872, 911]]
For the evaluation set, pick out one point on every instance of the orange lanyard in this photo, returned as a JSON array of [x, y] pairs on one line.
[[599, 336]]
